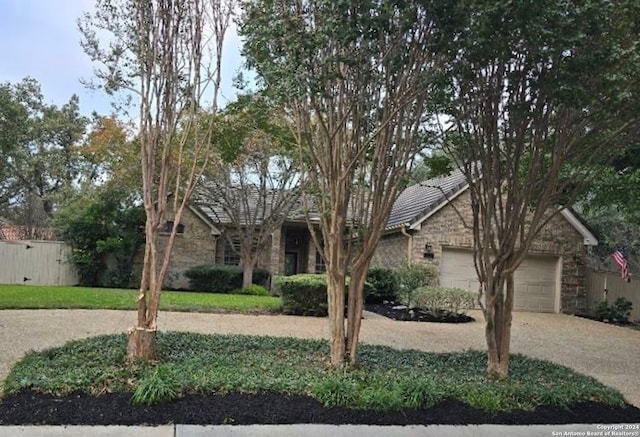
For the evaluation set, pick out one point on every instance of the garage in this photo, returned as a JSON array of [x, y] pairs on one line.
[[536, 280]]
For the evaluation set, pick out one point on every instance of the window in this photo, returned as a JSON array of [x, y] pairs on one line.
[[321, 267], [168, 227], [231, 257]]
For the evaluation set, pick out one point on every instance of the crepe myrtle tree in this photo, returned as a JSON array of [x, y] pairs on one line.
[[540, 94], [164, 55], [357, 81], [258, 183]]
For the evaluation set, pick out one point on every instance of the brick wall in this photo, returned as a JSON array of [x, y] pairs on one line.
[[196, 246], [392, 251], [446, 229]]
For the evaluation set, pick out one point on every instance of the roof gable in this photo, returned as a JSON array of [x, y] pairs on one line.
[[419, 202]]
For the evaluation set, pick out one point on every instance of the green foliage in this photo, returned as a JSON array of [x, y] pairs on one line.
[[157, 387], [617, 312], [253, 290], [613, 228], [304, 294], [41, 163], [384, 285], [335, 390], [218, 278], [386, 380], [105, 230], [431, 167], [413, 276], [442, 301]]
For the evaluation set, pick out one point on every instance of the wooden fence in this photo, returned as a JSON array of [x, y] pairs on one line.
[[617, 288], [36, 263]]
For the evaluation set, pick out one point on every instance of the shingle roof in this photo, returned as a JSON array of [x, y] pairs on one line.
[[418, 200], [210, 206]]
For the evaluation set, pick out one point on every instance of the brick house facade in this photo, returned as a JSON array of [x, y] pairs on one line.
[[437, 230], [201, 241], [425, 226]]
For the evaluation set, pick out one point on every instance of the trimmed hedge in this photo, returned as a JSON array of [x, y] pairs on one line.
[[384, 285], [303, 295], [306, 294], [440, 300], [218, 278]]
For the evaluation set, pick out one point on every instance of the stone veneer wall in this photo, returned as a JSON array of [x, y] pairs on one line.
[[446, 229], [196, 246], [392, 251]]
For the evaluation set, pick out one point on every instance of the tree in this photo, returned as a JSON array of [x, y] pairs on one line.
[[258, 183], [431, 166], [166, 55], [541, 93], [40, 164], [356, 79], [105, 229], [111, 155]]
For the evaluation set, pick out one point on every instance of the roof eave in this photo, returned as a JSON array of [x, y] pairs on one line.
[[214, 230], [431, 211], [588, 237]]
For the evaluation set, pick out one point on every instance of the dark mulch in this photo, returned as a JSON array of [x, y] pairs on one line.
[[242, 409], [632, 325], [393, 311]]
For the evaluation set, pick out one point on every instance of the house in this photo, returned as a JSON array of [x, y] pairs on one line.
[[424, 226], [202, 239]]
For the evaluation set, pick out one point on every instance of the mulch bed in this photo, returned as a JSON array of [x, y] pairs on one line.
[[398, 312], [243, 409]]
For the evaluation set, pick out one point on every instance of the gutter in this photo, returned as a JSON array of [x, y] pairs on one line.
[[403, 229]]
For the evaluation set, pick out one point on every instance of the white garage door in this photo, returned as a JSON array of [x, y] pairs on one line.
[[535, 279]]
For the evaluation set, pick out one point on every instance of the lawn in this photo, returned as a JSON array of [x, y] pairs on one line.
[[45, 297], [194, 370]]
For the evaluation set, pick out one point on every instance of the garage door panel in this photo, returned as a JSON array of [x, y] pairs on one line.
[[535, 279]]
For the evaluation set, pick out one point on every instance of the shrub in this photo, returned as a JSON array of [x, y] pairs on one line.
[[218, 278], [440, 300], [304, 295], [253, 290], [384, 285], [618, 312], [105, 230], [413, 276]]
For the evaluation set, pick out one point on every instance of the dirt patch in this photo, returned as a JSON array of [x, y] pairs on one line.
[[244, 409]]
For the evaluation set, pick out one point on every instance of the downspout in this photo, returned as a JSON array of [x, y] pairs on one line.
[[403, 229]]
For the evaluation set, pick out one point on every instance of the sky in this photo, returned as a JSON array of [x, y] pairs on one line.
[[40, 38]]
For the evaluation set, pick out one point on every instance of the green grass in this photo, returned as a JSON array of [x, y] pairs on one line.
[[41, 297], [387, 380]]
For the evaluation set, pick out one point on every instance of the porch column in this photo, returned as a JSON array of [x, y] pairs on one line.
[[276, 263], [311, 256]]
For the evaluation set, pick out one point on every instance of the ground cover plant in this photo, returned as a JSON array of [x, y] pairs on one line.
[[46, 297], [246, 379]]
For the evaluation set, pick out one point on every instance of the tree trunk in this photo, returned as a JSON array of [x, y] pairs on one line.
[[142, 344], [498, 330], [247, 272], [335, 300], [354, 309]]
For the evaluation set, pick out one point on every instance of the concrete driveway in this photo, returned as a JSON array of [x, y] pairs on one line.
[[608, 353]]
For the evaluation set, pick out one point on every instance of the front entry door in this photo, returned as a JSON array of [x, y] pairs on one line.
[[290, 263]]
